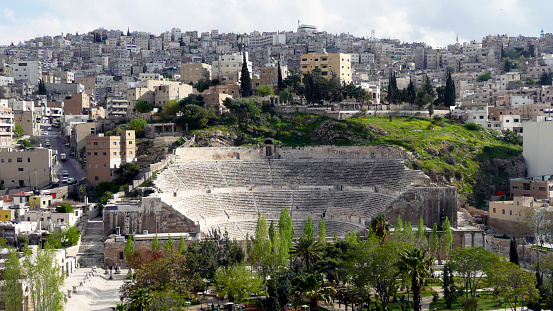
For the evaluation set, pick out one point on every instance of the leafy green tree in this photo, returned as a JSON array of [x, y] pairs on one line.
[[416, 265], [196, 117], [169, 110], [428, 88], [513, 252], [18, 131], [408, 235], [129, 249], [321, 236], [484, 77], [143, 106], [420, 239], [42, 88], [65, 208], [434, 241], [127, 172], [411, 93], [546, 78], [192, 99], [469, 263], [155, 244], [507, 65], [422, 99], [168, 246], [43, 279], [265, 90], [449, 91], [447, 236], [261, 244], [286, 232], [512, 284], [449, 289], [306, 251], [182, 245], [310, 287], [308, 229], [137, 124], [284, 96], [245, 79], [12, 289], [202, 84], [237, 283]]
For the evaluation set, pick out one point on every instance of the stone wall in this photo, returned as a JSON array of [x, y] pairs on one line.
[[432, 203], [307, 152], [152, 215], [501, 226], [341, 115]]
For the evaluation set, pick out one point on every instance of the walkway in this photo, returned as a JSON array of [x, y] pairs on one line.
[[99, 293]]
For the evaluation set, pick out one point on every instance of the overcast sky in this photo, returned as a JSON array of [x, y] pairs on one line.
[[436, 22]]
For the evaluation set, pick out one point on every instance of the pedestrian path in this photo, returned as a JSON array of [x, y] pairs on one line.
[[98, 293]]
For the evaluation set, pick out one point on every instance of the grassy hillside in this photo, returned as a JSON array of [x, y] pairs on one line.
[[464, 156]]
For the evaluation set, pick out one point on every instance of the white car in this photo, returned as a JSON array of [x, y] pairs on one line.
[[50, 128], [45, 133], [64, 180], [71, 181]]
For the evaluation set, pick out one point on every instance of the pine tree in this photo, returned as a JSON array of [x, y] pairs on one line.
[[155, 244], [245, 79], [434, 240], [280, 82], [513, 252], [129, 248], [321, 237], [168, 246], [182, 245], [411, 92]]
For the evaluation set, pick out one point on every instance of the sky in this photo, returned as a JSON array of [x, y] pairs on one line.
[[436, 22]]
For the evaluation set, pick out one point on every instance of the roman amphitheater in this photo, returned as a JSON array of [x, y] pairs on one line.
[[228, 188]]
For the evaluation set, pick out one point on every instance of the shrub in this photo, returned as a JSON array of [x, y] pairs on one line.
[[472, 126], [65, 208]]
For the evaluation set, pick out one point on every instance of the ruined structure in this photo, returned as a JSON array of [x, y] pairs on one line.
[[228, 188]]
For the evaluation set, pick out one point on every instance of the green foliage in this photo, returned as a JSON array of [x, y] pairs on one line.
[[380, 226], [416, 267], [168, 246], [284, 96], [236, 283], [319, 89], [66, 237], [468, 263], [169, 110], [129, 248], [512, 284], [18, 131], [434, 241], [513, 252], [261, 244], [245, 79], [195, 117], [472, 126], [202, 84], [127, 172], [280, 82], [65, 208], [155, 244], [484, 77], [321, 236], [42, 88], [511, 137], [182, 245], [447, 236], [450, 290], [12, 287], [143, 106], [43, 279], [265, 90], [449, 91], [308, 229]]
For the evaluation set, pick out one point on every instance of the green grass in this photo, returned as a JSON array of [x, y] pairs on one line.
[[486, 302]]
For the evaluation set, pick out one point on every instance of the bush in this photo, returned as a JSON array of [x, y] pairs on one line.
[[65, 208], [470, 304], [472, 126]]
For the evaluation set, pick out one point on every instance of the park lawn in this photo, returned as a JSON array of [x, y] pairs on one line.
[[487, 301]]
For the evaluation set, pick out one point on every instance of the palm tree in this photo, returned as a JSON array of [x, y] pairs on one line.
[[417, 264], [311, 288], [380, 226], [308, 250]]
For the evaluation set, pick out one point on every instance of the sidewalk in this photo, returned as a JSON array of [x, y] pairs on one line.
[[99, 293]]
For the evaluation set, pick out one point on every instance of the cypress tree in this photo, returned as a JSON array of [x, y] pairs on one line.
[[129, 249], [309, 230], [322, 232], [168, 246], [513, 252], [182, 245], [507, 66], [155, 244], [449, 91], [411, 93], [245, 80], [280, 82]]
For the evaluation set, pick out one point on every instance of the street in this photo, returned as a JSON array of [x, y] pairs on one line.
[[70, 165]]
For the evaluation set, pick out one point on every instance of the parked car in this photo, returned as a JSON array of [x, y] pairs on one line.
[[64, 180], [64, 174], [50, 128], [71, 181]]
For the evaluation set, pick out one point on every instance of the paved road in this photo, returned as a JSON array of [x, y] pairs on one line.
[[71, 165]]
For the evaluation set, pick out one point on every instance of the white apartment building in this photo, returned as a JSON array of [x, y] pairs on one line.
[[229, 65], [6, 126], [538, 148], [27, 71]]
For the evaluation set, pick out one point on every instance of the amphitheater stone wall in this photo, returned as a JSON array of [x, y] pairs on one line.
[[305, 152], [432, 203], [152, 215]]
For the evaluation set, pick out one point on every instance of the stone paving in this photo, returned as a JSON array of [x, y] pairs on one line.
[[99, 293]]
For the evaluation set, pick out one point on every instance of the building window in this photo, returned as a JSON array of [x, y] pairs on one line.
[[114, 143], [494, 210], [19, 159], [105, 165], [2, 161], [89, 153], [130, 142], [114, 153], [28, 159], [542, 188], [20, 169], [103, 143], [95, 143], [511, 213], [96, 178], [130, 152], [104, 153], [9, 160], [503, 211]]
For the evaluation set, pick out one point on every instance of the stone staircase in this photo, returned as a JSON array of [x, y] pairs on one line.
[[91, 250]]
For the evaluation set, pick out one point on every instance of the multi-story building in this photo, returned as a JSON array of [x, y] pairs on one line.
[[27, 71], [25, 116], [6, 126], [104, 154], [228, 67], [537, 148], [192, 72], [329, 64], [27, 168], [163, 93], [116, 108], [507, 216], [75, 103], [539, 187]]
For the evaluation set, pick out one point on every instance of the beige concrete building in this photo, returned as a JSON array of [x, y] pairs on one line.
[[192, 72], [26, 168], [6, 126], [89, 84], [269, 76], [79, 133], [117, 108], [177, 91], [104, 154], [215, 100], [505, 216], [337, 63], [539, 187], [74, 104], [228, 67]]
